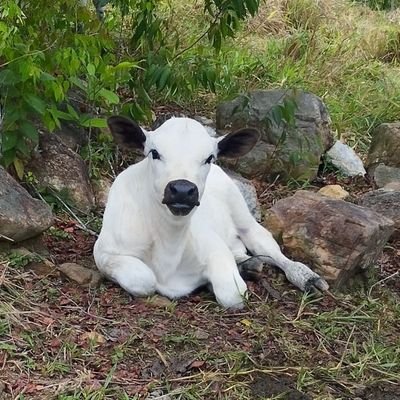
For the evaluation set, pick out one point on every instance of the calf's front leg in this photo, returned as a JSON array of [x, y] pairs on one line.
[[129, 272], [222, 272]]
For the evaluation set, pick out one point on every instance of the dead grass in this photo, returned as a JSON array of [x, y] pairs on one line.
[[61, 341]]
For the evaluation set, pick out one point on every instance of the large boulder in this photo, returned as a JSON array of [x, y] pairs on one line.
[[385, 146], [72, 135], [385, 202], [21, 216], [384, 175], [58, 167], [248, 192], [336, 237], [101, 188], [285, 150]]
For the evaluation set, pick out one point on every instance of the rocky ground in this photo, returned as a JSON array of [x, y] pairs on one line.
[[64, 341], [76, 337]]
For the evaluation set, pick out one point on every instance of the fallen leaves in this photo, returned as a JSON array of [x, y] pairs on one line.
[[93, 337]]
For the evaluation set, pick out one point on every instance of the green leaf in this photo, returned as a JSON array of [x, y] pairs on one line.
[[72, 111], [61, 114], [95, 123], [109, 96], [91, 69], [19, 168], [22, 147], [35, 102], [9, 140], [81, 84], [8, 157], [163, 78], [45, 77], [29, 131], [126, 65]]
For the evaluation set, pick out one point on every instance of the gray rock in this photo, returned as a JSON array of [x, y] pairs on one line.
[[248, 192], [72, 135], [21, 216], [392, 187], [384, 175], [255, 163], [205, 121], [385, 202], [57, 166], [101, 189], [345, 159], [284, 151], [385, 146], [336, 237]]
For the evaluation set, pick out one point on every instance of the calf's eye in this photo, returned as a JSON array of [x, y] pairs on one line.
[[155, 154], [209, 159]]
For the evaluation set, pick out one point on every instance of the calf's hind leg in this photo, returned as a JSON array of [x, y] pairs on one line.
[[260, 242]]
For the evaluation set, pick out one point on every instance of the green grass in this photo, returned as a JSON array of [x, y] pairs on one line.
[[192, 349], [344, 52]]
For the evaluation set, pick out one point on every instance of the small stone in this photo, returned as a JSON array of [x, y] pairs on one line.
[[345, 159], [158, 395], [93, 337], [383, 175], [201, 335], [81, 275], [159, 301], [42, 268], [334, 191]]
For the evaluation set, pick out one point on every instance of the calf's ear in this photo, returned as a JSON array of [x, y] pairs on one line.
[[238, 143], [126, 132]]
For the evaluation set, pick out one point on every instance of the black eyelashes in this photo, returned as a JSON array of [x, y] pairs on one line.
[[209, 159], [154, 153]]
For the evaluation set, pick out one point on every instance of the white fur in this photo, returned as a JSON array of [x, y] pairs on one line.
[[145, 248]]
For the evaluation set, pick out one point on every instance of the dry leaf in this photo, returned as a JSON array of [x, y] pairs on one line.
[[93, 336]]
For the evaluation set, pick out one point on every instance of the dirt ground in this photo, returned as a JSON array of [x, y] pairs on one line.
[[62, 341]]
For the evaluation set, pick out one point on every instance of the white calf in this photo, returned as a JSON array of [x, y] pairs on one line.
[[175, 221]]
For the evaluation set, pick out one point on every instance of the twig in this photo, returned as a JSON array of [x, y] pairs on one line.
[[80, 225], [6, 237], [162, 358], [381, 281], [28, 54], [200, 37], [339, 364]]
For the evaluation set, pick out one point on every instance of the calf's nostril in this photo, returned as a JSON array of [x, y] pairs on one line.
[[191, 191], [173, 189]]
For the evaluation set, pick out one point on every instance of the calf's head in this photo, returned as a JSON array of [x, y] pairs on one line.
[[178, 156]]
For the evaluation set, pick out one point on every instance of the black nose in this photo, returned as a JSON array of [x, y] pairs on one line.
[[181, 196], [181, 191]]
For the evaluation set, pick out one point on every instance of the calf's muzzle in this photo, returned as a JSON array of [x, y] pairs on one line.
[[181, 196]]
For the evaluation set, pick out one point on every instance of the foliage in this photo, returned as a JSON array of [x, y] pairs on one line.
[[381, 4], [58, 62]]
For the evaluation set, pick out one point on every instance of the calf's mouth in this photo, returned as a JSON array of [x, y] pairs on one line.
[[181, 196]]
